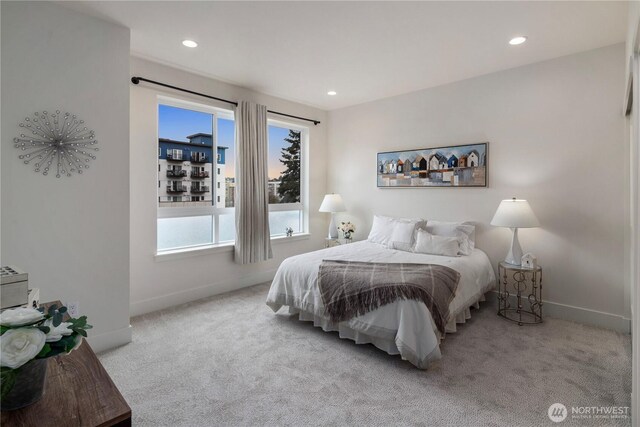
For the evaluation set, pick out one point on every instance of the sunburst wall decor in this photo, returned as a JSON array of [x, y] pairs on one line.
[[56, 141]]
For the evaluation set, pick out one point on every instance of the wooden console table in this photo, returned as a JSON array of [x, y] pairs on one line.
[[77, 392]]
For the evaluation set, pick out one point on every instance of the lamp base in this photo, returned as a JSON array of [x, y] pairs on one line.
[[514, 256], [333, 229]]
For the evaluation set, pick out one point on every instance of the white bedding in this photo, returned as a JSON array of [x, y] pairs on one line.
[[404, 327]]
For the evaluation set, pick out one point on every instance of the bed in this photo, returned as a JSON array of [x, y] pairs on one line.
[[404, 327]]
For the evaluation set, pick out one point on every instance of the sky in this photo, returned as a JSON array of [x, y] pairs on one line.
[[177, 123]]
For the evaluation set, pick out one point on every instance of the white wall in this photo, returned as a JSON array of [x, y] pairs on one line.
[[157, 283], [70, 234], [557, 138], [632, 29], [634, 239]]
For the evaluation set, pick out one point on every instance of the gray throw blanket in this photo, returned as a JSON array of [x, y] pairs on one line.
[[351, 288]]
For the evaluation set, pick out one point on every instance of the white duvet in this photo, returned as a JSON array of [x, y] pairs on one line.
[[404, 327]]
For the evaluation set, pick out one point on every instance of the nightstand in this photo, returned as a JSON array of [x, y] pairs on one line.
[[330, 242], [520, 293]]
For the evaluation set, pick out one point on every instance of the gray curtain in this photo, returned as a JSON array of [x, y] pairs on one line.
[[253, 238]]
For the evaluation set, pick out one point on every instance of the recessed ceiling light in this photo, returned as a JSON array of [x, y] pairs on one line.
[[518, 40], [332, 93], [189, 43]]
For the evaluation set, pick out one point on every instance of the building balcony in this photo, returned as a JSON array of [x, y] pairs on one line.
[[175, 158], [199, 159], [200, 174], [176, 173], [199, 189], [176, 189], [174, 199]]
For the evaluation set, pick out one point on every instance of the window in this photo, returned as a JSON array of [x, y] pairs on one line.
[[173, 154], [285, 150], [199, 157], [284, 165], [226, 157], [196, 197]]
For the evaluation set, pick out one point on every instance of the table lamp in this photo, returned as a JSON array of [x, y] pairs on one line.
[[514, 213], [332, 203]]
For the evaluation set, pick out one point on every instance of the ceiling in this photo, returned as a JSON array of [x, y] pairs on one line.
[[362, 50]]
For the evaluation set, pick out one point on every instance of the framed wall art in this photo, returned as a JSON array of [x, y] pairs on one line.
[[453, 166], [56, 142]]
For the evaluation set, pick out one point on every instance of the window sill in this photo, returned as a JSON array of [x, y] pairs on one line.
[[295, 237], [220, 248]]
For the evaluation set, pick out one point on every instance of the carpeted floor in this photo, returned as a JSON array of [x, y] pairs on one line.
[[230, 361]]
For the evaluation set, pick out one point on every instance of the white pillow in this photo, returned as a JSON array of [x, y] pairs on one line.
[[465, 232], [427, 243], [403, 235], [396, 233], [381, 230]]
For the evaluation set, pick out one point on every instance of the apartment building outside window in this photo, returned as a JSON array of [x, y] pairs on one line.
[[196, 206]]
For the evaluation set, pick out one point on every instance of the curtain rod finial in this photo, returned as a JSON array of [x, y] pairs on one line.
[[135, 80]]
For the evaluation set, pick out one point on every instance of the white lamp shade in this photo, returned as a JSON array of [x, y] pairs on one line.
[[515, 213], [332, 203]]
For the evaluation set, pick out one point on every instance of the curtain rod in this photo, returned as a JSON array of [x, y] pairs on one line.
[[136, 80]]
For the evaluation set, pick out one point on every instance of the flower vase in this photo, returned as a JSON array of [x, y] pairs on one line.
[[28, 387], [347, 235]]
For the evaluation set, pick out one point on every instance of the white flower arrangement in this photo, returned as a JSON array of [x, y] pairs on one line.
[[18, 346], [27, 334], [347, 229], [20, 316]]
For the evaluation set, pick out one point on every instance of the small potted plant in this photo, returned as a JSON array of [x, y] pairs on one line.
[[347, 229], [29, 336]]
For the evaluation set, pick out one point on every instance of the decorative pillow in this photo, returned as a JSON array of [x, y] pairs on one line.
[[403, 235], [381, 230], [427, 243], [465, 232]]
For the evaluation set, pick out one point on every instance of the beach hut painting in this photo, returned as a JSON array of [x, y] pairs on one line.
[[454, 166]]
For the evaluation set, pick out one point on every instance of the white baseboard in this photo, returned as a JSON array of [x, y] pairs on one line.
[[581, 315], [109, 340], [188, 295]]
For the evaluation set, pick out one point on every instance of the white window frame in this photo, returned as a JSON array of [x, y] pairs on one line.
[[304, 168], [214, 211]]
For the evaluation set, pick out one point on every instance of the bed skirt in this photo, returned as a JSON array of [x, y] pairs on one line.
[[463, 316], [392, 346]]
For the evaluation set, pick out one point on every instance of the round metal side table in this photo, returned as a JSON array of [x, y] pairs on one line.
[[520, 293], [330, 242]]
